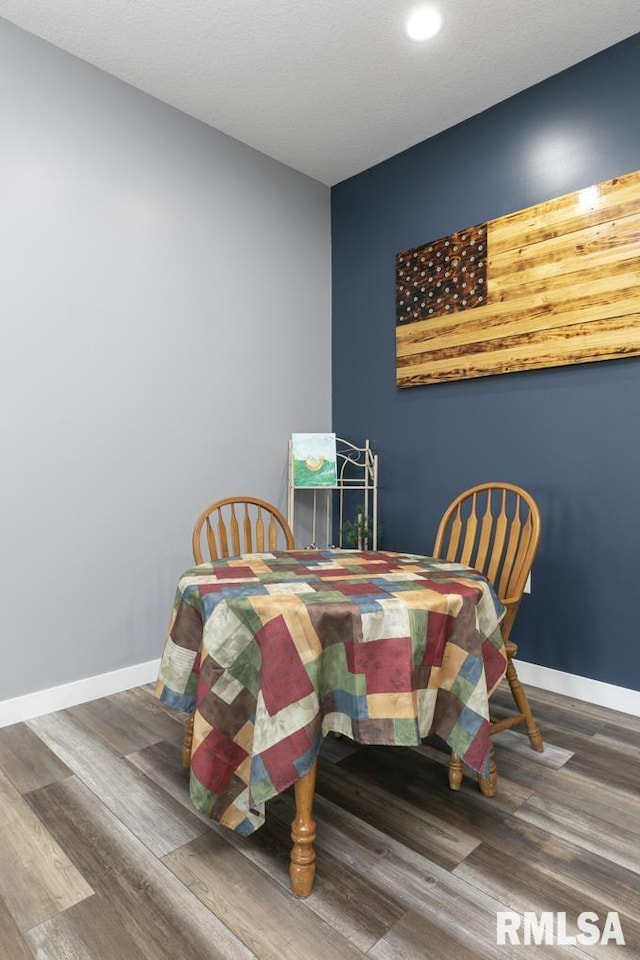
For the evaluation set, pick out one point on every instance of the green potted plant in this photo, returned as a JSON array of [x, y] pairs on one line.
[[358, 532]]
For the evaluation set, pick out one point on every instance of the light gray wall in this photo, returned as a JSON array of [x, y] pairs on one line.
[[165, 311]]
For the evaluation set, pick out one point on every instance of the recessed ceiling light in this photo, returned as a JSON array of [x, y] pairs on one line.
[[424, 23]]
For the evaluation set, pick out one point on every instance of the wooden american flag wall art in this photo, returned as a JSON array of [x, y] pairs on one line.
[[553, 284]]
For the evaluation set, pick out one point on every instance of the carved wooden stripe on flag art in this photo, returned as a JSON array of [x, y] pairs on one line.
[[554, 284]]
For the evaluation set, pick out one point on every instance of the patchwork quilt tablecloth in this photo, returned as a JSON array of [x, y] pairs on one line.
[[273, 651]]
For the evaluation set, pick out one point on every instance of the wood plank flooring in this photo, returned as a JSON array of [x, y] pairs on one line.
[[102, 856]]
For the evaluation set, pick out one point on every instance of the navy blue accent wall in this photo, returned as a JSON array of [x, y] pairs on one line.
[[570, 435]]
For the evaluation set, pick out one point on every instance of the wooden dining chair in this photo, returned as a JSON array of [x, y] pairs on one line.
[[495, 528], [240, 525], [229, 527]]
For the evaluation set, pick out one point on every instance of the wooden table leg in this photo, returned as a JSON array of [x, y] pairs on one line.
[[456, 771], [187, 743], [302, 867]]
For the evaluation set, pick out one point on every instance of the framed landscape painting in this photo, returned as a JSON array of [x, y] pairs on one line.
[[314, 459]]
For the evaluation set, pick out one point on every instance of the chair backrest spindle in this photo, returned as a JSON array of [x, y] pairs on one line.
[[222, 536], [248, 542], [211, 540], [273, 534], [260, 532], [235, 532]]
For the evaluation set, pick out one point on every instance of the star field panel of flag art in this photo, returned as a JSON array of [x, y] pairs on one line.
[[443, 276]]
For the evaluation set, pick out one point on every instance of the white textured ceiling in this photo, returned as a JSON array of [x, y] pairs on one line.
[[329, 87]]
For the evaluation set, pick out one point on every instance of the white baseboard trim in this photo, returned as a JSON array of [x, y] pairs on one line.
[[80, 691], [582, 688]]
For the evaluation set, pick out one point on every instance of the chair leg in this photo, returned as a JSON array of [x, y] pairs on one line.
[[302, 866], [456, 771], [187, 743], [489, 785], [520, 697]]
